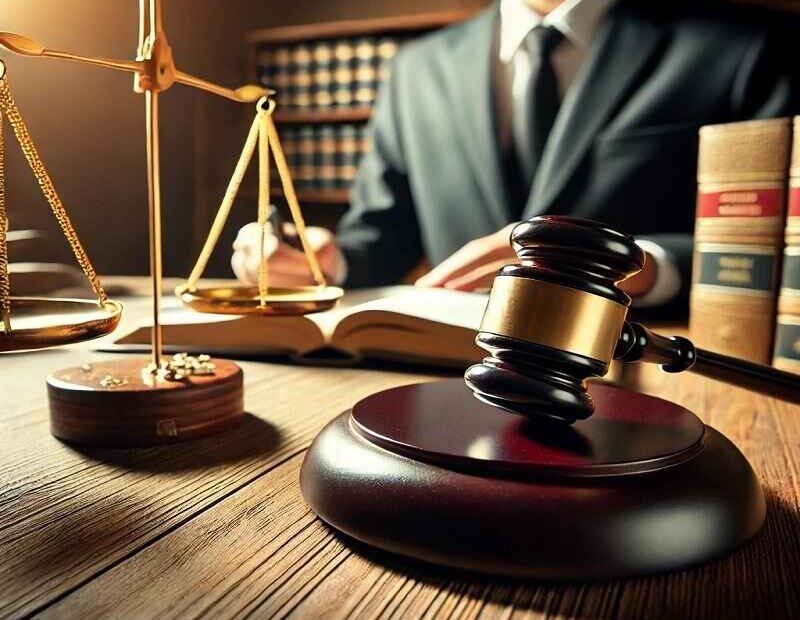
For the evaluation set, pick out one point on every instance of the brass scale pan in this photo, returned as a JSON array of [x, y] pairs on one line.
[[28, 323], [39, 323], [245, 299]]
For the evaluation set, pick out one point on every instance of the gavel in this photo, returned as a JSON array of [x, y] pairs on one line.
[[558, 317]]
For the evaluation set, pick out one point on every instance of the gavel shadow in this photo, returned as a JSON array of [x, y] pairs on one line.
[[253, 438], [555, 435], [763, 575]]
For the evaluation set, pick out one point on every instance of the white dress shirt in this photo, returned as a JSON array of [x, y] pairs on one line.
[[578, 21]]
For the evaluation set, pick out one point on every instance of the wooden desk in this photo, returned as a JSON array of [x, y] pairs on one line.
[[218, 527]]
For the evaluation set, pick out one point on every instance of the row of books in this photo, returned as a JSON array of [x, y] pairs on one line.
[[324, 157], [326, 74], [746, 277], [787, 331]]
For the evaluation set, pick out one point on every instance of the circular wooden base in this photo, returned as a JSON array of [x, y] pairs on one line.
[[115, 404], [430, 472]]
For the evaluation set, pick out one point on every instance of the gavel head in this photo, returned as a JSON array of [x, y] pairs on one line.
[[554, 319]]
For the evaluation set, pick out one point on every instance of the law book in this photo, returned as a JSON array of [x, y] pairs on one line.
[[787, 329], [317, 79], [432, 327], [740, 214], [280, 75]]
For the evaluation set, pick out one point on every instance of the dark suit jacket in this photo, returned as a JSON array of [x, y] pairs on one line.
[[623, 149]]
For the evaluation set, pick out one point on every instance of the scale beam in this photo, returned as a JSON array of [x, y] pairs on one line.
[[26, 46]]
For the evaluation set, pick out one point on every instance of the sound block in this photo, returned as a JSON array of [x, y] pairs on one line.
[[115, 404], [430, 472]]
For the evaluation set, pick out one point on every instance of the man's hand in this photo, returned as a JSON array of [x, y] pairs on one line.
[[287, 265], [475, 265], [641, 283]]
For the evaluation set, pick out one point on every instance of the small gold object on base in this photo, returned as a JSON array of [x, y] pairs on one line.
[[181, 366]]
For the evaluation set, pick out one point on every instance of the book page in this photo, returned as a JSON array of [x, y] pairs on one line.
[[225, 334], [353, 302], [231, 334], [431, 325], [405, 320], [437, 305]]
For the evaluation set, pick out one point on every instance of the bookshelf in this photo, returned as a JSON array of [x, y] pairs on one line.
[[327, 76]]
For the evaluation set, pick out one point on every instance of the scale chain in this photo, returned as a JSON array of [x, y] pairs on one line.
[[291, 200], [225, 207], [263, 207], [264, 135], [28, 147], [5, 283]]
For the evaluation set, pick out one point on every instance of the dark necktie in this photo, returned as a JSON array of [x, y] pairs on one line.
[[538, 107]]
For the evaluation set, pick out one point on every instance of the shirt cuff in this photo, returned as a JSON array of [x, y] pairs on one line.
[[668, 278]]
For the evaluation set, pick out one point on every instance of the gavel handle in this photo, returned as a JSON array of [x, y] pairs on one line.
[[676, 354]]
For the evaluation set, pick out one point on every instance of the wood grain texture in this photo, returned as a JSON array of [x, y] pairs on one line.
[[217, 528]]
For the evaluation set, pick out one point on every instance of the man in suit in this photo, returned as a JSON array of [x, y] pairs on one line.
[[582, 107]]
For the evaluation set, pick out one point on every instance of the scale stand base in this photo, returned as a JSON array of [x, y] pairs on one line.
[[114, 404], [428, 471]]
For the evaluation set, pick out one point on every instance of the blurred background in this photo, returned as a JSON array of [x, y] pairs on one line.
[[89, 126]]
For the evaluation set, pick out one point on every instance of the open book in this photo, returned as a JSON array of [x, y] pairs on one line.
[[398, 323]]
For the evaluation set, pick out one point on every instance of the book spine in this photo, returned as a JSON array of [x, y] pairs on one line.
[[740, 214], [290, 144], [347, 156], [341, 96], [281, 59], [364, 74], [387, 48], [787, 328], [265, 67], [326, 148], [300, 76], [306, 171], [319, 77]]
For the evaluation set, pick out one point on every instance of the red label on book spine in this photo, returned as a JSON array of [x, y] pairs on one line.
[[794, 202], [740, 203]]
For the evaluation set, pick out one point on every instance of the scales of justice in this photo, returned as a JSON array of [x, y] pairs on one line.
[[132, 402]]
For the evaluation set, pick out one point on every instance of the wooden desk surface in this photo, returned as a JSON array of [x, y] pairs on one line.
[[218, 528]]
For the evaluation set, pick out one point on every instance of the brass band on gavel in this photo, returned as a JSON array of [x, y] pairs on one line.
[[555, 316]]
